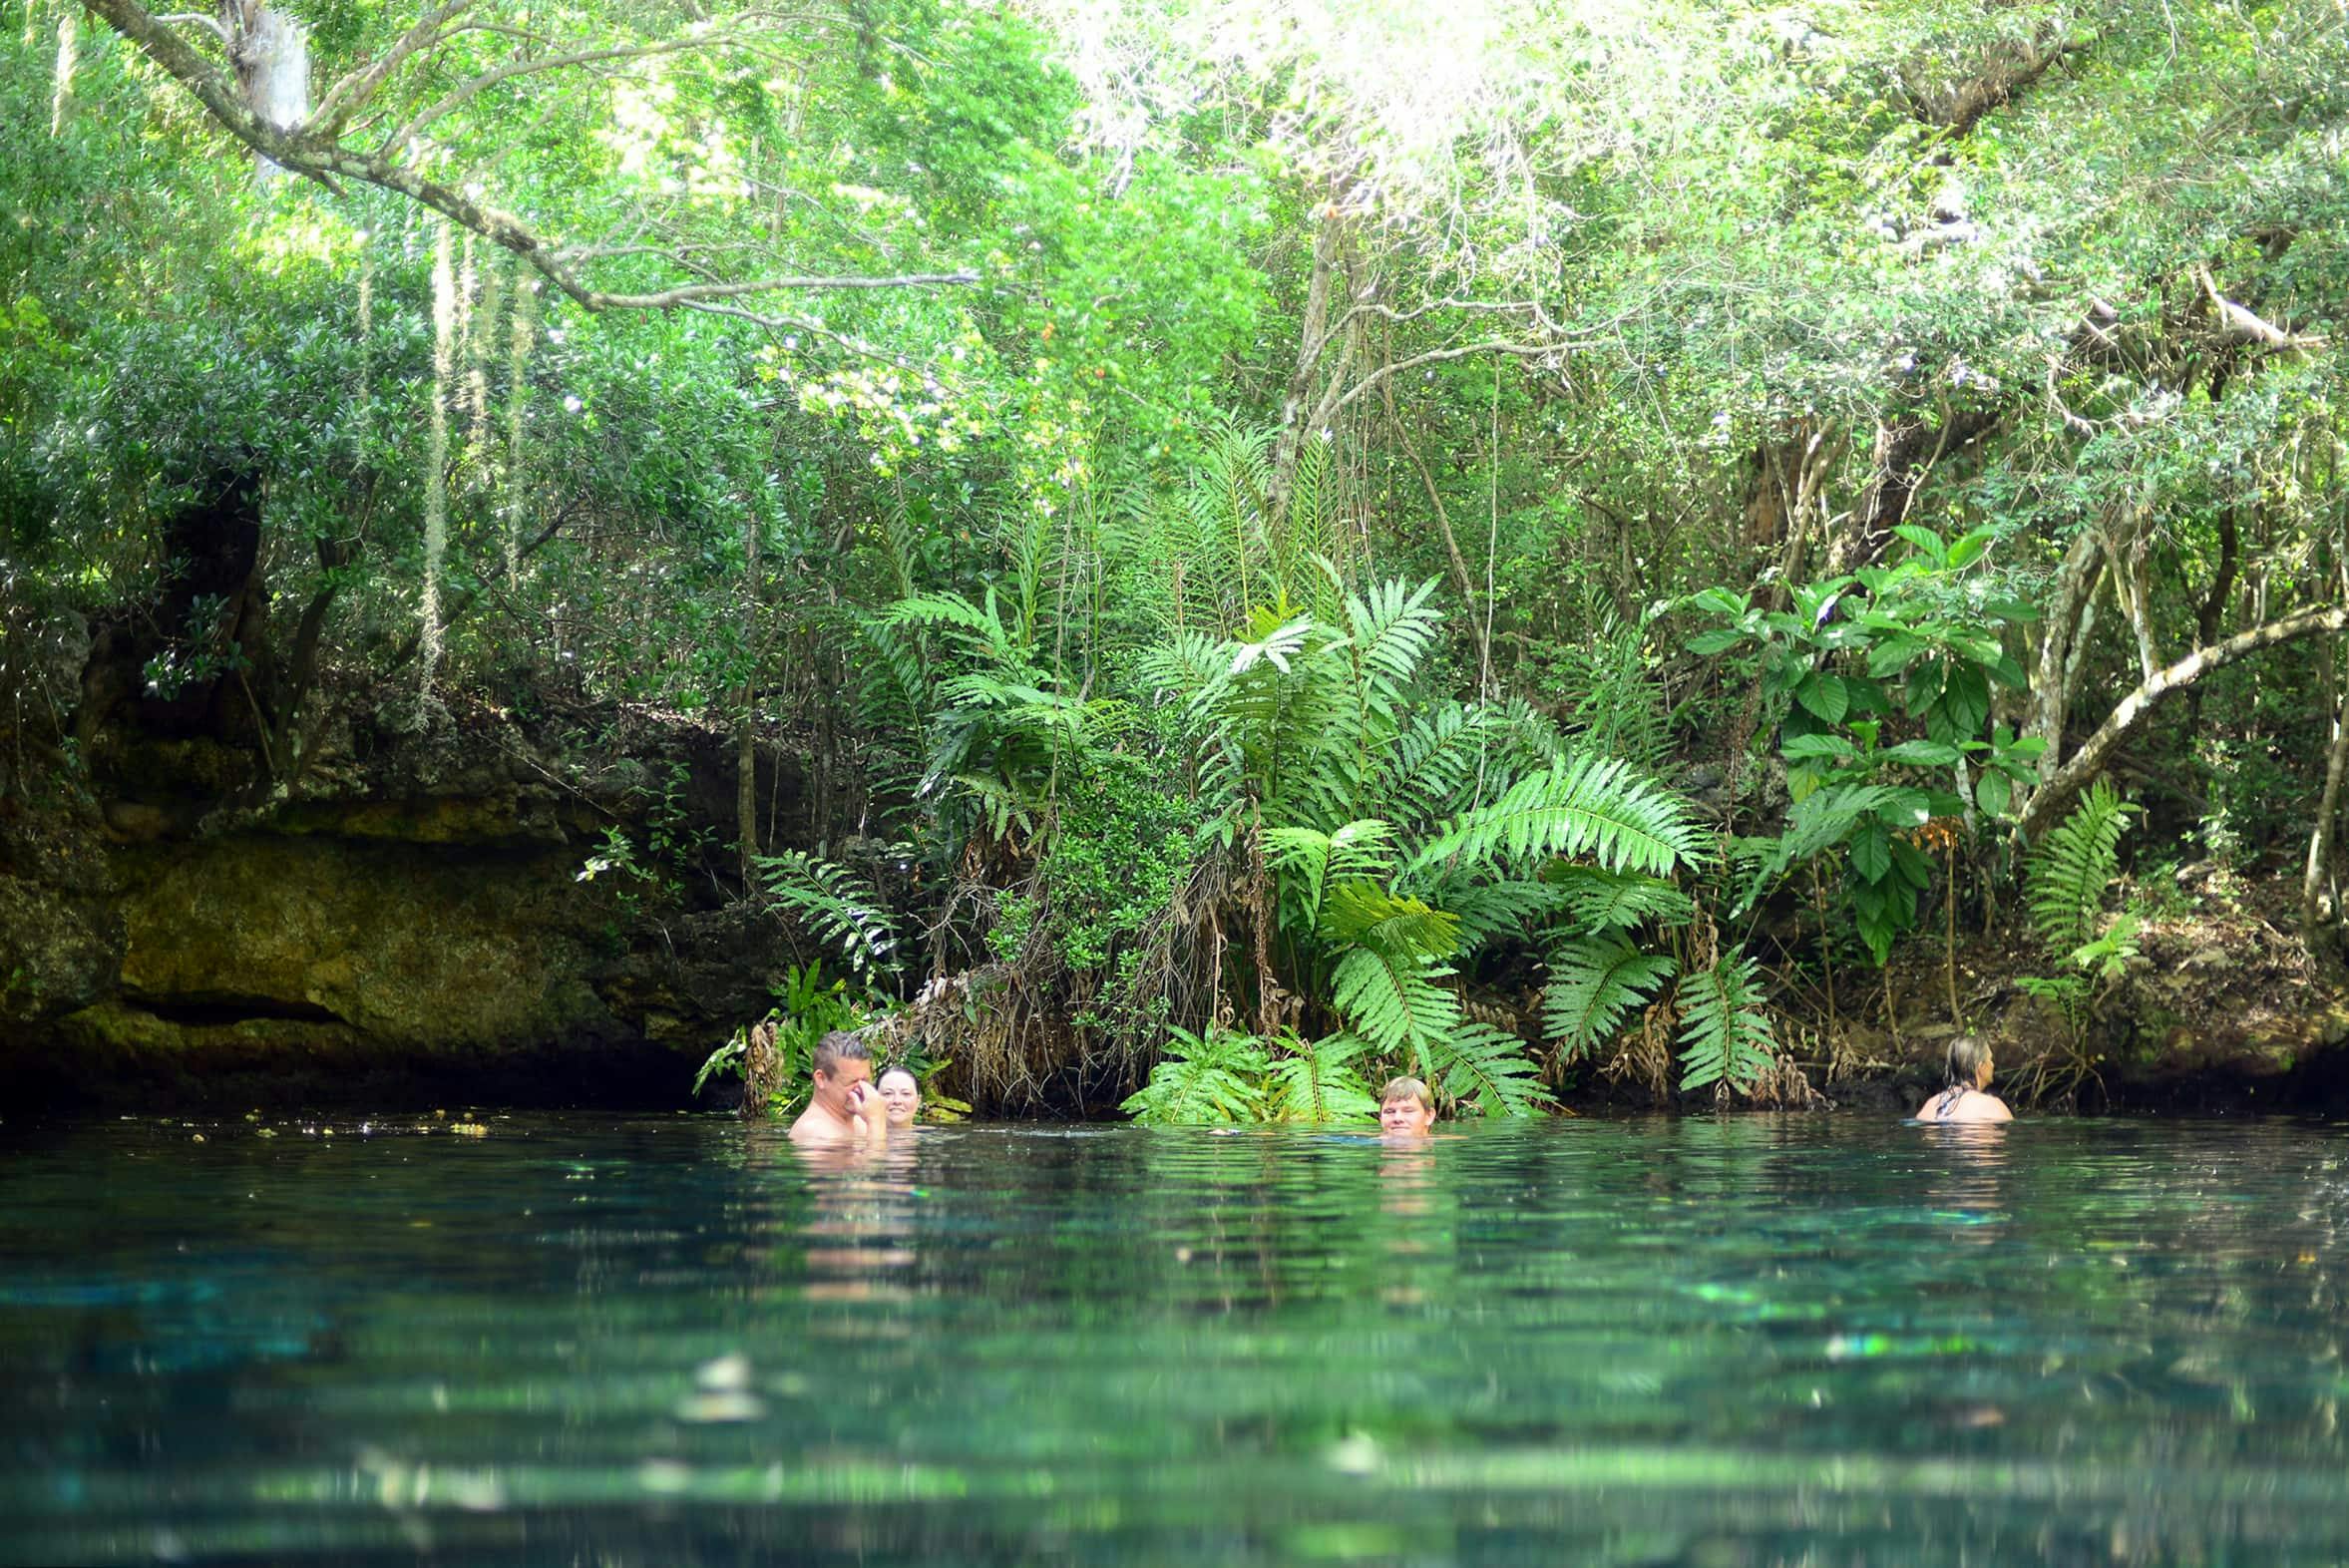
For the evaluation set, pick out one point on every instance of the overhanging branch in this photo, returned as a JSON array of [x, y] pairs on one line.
[[314, 150], [2084, 764]]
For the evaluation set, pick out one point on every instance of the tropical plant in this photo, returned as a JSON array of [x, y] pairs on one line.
[[1402, 838], [1214, 1076], [2071, 874], [2072, 871], [1879, 685], [840, 907]]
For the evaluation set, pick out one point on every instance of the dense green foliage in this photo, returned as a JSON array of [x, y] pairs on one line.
[[1504, 542]]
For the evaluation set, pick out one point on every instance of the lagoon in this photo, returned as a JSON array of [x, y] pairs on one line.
[[598, 1338]]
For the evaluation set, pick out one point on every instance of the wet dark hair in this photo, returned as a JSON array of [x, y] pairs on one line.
[[1967, 1053], [838, 1046]]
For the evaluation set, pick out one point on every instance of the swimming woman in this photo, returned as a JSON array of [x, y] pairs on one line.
[[1968, 1097], [901, 1096]]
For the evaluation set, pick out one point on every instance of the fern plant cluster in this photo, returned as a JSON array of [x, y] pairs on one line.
[[1204, 790], [2070, 877], [1405, 835]]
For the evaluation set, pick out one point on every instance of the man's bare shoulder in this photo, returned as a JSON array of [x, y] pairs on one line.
[[817, 1126]]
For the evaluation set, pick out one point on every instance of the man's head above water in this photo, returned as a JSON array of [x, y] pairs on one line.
[[1405, 1109], [842, 1062]]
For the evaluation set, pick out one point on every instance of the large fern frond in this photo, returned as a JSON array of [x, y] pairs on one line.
[[836, 903], [1185, 665], [1435, 759], [978, 624], [1391, 998], [1202, 1079], [1498, 909], [1595, 982], [1588, 804], [2074, 867], [1320, 1081], [1599, 899], [1309, 861], [1390, 627], [1485, 1069], [1362, 913], [1724, 1033]]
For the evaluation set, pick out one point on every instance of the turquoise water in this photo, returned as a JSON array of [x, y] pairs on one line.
[[621, 1341]]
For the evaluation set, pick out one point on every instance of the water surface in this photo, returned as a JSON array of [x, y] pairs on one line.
[[621, 1341]]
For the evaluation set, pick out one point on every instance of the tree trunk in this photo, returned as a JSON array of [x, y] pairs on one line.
[[2320, 894], [272, 54], [1297, 404], [2129, 553], [2084, 765], [1905, 454], [1443, 523], [61, 97], [2069, 617], [746, 723]]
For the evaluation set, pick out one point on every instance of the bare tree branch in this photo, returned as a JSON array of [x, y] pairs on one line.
[[1462, 351], [523, 65], [211, 24], [351, 94], [311, 150], [2084, 765]]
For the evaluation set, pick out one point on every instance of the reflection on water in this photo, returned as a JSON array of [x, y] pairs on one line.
[[680, 1341]]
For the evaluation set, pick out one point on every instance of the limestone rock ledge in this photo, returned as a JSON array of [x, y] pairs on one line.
[[407, 925]]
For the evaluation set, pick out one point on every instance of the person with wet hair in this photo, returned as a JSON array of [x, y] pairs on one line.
[[1405, 1109], [843, 1109], [901, 1096], [1968, 1097]]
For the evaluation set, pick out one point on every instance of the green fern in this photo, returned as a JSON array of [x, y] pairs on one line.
[[836, 903], [980, 625], [1601, 900], [1587, 804], [1391, 998], [1389, 630], [1724, 1034], [1439, 755], [1211, 1078], [1310, 862], [1488, 910], [1485, 1069], [1362, 914], [2072, 869], [1594, 984], [1320, 1081]]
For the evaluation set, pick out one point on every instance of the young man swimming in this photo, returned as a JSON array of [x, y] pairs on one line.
[[842, 1106], [1405, 1109]]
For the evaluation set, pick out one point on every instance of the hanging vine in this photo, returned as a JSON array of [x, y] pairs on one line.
[[436, 473]]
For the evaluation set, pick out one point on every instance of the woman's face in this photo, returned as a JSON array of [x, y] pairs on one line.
[[900, 1097]]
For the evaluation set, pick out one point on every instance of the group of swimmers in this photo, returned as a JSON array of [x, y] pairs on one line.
[[845, 1106]]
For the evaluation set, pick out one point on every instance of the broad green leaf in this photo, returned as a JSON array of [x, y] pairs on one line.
[[1922, 753], [1824, 695], [1993, 793]]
